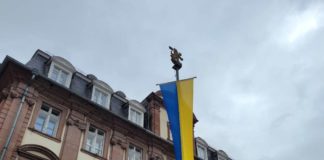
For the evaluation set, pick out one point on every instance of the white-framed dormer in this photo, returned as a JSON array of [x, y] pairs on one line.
[[201, 147], [136, 112], [101, 93], [61, 71]]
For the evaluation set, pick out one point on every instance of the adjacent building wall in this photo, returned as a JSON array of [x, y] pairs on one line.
[[164, 129]]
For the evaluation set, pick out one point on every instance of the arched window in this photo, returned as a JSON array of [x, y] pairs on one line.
[[35, 152]]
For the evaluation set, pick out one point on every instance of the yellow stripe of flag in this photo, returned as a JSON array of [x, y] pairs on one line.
[[185, 99]]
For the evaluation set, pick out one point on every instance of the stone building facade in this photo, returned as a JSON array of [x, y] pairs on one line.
[[49, 111]]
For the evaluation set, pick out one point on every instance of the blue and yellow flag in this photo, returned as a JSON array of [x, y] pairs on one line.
[[178, 100]]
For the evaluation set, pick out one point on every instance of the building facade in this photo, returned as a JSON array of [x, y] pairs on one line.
[[49, 111]]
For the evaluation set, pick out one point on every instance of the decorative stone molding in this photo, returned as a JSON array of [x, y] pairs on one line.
[[113, 142], [155, 156], [14, 94], [76, 122], [119, 140], [30, 102], [4, 93]]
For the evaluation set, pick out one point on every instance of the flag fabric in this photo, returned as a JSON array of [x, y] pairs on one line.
[[178, 100]]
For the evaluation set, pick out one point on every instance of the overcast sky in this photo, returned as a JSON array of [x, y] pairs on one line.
[[259, 94]]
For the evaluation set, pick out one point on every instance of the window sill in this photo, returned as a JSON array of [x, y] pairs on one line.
[[92, 154], [45, 135]]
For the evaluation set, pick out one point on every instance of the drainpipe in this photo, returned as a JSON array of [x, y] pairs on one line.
[[12, 129]]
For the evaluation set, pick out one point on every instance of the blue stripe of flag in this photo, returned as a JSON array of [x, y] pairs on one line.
[[170, 99]]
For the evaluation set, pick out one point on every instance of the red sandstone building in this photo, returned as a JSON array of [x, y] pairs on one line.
[[50, 111]]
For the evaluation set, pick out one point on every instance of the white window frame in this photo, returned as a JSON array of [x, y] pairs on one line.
[[104, 92], [95, 140], [134, 148], [205, 151], [69, 76], [47, 119], [137, 110]]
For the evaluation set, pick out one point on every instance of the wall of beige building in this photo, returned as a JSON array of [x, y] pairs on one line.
[[163, 123], [31, 137]]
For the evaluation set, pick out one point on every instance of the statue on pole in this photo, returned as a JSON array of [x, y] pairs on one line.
[[175, 58]]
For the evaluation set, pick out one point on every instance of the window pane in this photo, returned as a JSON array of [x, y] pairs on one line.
[[138, 154], [132, 115], [41, 120], [99, 144], [45, 108], [39, 124], [55, 73], [96, 95], [131, 154], [90, 140], [88, 147], [52, 125], [201, 152], [101, 133], [138, 118], [63, 77], [92, 129], [103, 99], [50, 128], [55, 112]]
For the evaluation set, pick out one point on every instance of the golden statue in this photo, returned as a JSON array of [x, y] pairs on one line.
[[175, 58]]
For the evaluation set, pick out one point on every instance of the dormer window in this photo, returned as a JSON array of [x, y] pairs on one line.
[[201, 148], [100, 96], [59, 74], [101, 93], [136, 116], [201, 152], [136, 112]]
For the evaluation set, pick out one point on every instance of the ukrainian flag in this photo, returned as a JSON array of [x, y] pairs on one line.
[[178, 100]]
